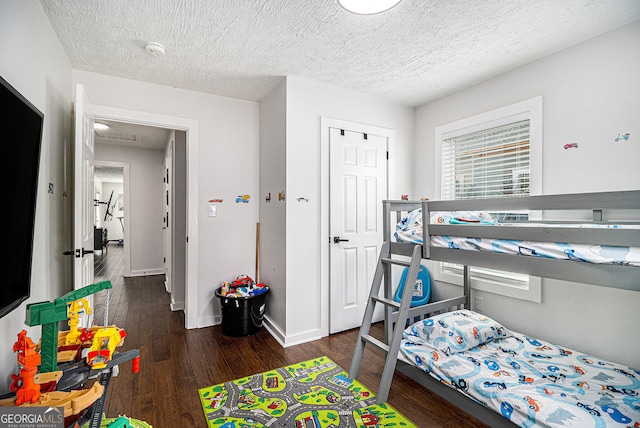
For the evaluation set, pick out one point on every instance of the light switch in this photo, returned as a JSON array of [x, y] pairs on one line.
[[212, 210]]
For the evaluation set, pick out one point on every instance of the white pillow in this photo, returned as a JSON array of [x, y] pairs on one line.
[[457, 331]]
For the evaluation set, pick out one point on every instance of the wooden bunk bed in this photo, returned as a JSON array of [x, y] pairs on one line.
[[595, 230]]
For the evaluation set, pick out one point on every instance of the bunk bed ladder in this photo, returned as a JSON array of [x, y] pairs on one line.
[[393, 334]]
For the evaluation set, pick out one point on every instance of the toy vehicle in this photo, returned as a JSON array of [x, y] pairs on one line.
[[533, 404], [104, 344], [616, 415], [589, 409], [506, 409], [499, 385]]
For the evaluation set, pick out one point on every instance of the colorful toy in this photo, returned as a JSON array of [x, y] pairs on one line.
[[49, 314], [242, 286], [52, 387], [76, 308], [421, 289], [622, 137], [122, 422], [27, 391], [72, 402], [570, 146], [104, 345], [243, 198]]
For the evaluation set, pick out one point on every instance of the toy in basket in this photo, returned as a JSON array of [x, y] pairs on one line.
[[242, 286]]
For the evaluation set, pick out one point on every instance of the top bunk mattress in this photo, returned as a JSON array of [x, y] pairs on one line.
[[409, 230], [529, 381]]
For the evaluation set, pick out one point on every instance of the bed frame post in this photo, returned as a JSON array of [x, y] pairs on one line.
[[467, 286], [426, 219]]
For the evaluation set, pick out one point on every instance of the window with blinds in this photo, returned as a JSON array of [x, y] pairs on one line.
[[492, 155], [487, 164]]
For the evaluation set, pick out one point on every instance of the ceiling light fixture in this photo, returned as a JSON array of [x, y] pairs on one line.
[[155, 48], [367, 7], [100, 126]]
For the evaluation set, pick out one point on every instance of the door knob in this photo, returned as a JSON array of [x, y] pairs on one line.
[[336, 239], [77, 252]]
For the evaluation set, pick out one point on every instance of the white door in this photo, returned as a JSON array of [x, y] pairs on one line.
[[83, 194], [357, 186], [167, 224]]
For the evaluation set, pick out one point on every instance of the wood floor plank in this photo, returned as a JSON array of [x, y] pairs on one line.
[[176, 362]]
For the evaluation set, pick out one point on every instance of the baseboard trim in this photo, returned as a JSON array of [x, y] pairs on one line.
[[286, 341], [158, 271]]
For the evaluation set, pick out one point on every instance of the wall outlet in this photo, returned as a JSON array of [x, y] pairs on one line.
[[478, 304]]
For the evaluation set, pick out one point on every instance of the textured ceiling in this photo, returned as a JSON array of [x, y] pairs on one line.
[[417, 52]]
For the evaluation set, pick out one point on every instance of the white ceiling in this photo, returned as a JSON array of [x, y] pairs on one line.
[[417, 52]]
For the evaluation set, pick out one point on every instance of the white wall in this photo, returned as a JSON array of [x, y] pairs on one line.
[[146, 209], [179, 220], [227, 167], [33, 62], [306, 246], [590, 94], [273, 220]]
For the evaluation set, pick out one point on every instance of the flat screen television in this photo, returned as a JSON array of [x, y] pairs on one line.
[[21, 133]]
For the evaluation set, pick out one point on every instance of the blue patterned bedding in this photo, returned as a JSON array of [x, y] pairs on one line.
[[529, 381], [409, 229]]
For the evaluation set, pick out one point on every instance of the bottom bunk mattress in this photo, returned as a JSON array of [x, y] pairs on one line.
[[529, 381]]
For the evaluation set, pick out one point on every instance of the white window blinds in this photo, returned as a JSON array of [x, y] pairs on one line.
[[489, 163]]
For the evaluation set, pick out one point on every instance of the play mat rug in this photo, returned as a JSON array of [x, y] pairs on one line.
[[315, 393]]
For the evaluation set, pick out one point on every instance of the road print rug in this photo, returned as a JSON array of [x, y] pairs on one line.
[[315, 393]]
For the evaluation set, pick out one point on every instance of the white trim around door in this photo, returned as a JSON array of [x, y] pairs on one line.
[[190, 126]]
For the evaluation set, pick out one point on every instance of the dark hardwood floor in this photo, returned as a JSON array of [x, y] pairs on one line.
[[176, 362]]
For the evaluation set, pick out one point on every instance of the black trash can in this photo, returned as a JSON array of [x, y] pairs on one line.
[[242, 316]]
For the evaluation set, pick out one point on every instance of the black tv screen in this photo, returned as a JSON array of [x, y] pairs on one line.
[[21, 145]]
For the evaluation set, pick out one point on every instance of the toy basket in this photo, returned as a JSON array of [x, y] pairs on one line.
[[242, 315]]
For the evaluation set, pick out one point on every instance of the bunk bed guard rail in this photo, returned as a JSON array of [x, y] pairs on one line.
[[625, 204]]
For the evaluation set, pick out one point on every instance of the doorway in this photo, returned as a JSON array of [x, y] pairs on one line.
[[111, 183], [189, 130]]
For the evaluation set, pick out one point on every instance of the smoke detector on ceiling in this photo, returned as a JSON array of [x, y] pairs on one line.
[[155, 48]]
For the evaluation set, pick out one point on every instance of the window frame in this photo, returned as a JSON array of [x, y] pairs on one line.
[[530, 109]]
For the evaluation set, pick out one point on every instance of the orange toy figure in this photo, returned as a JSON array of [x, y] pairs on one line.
[[28, 360]]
